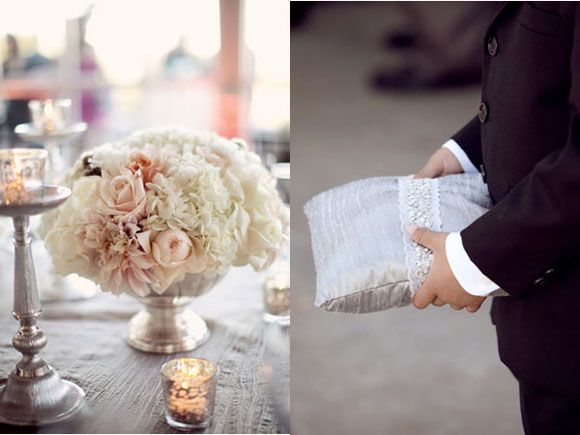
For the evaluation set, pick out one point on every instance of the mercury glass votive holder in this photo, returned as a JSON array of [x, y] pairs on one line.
[[189, 386], [21, 169], [277, 298], [50, 114]]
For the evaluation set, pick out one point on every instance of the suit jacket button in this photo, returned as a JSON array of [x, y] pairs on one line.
[[492, 45], [540, 281], [483, 112], [550, 273]]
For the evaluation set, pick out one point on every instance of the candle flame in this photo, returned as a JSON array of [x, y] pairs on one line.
[[20, 172], [49, 115]]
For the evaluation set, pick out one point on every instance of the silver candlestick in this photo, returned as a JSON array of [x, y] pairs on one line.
[[34, 393], [51, 127], [51, 140]]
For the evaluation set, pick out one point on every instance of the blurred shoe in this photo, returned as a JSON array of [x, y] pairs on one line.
[[409, 77], [299, 13], [401, 40]]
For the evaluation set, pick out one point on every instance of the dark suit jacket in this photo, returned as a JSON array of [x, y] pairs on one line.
[[527, 137]]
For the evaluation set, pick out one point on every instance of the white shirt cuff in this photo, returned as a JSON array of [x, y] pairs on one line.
[[466, 272], [458, 152]]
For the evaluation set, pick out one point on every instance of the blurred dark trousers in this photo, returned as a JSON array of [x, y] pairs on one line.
[[548, 413]]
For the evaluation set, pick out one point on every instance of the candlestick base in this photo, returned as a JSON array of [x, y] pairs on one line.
[[39, 400]]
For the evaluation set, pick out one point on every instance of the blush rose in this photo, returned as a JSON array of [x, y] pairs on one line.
[[175, 253]]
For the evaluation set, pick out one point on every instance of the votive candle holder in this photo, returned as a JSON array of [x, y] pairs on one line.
[[20, 170], [189, 386], [277, 298], [50, 114]]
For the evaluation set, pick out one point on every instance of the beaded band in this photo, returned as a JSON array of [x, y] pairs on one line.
[[419, 205]]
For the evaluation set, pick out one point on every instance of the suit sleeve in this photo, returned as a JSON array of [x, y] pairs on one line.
[[469, 139], [534, 231], [536, 227]]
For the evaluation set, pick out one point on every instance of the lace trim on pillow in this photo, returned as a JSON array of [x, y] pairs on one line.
[[419, 205]]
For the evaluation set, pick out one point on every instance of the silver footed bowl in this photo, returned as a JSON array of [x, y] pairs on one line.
[[167, 325]]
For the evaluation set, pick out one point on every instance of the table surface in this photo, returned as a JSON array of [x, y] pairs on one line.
[[86, 344]]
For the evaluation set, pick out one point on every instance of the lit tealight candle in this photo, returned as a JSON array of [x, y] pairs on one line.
[[49, 120], [189, 386], [21, 169], [277, 296], [49, 114]]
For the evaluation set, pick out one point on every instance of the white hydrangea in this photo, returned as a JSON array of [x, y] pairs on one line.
[[162, 203]]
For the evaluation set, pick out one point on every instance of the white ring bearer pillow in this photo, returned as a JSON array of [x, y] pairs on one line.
[[365, 260]]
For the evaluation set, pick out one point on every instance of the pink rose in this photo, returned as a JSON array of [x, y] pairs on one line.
[[148, 165], [175, 253], [124, 195]]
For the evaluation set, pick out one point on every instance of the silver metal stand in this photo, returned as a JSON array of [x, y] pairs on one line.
[[57, 288], [51, 139], [34, 394]]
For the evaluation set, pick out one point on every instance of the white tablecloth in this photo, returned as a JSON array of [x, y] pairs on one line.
[[86, 345]]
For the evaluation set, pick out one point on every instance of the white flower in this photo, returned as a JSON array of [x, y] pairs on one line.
[[163, 203], [123, 195], [175, 254]]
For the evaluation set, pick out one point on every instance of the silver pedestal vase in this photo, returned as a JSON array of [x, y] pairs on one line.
[[167, 325], [34, 393]]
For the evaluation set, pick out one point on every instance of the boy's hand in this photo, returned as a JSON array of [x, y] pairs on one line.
[[440, 287], [442, 162]]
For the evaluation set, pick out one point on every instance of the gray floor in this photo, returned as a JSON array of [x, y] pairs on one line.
[[402, 371]]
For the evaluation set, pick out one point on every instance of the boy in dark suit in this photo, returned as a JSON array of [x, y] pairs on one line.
[[525, 139]]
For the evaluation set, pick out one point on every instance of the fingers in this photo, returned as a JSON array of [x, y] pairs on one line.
[[422, 236], [456, 307], [438, 302], [423, 297], [473, 308], [430, 170], [425, 173], [442, 162]]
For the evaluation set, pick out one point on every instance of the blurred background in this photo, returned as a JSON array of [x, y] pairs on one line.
[[218, 65], [376, 89]]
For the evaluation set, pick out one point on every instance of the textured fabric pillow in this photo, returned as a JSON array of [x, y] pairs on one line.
[[365, 260]]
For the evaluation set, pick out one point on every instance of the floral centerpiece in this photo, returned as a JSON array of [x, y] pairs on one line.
[[161, 204]]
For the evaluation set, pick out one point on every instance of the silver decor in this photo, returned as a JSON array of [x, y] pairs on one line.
[[189, 387], [276, 294], [167, 325], [34, 393], [53, 128]]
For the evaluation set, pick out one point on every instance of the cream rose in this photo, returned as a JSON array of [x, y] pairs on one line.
[[123, 195], [175, 253], [164, 203]]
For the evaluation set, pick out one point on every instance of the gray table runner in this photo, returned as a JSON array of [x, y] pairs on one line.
[[86, 345]]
